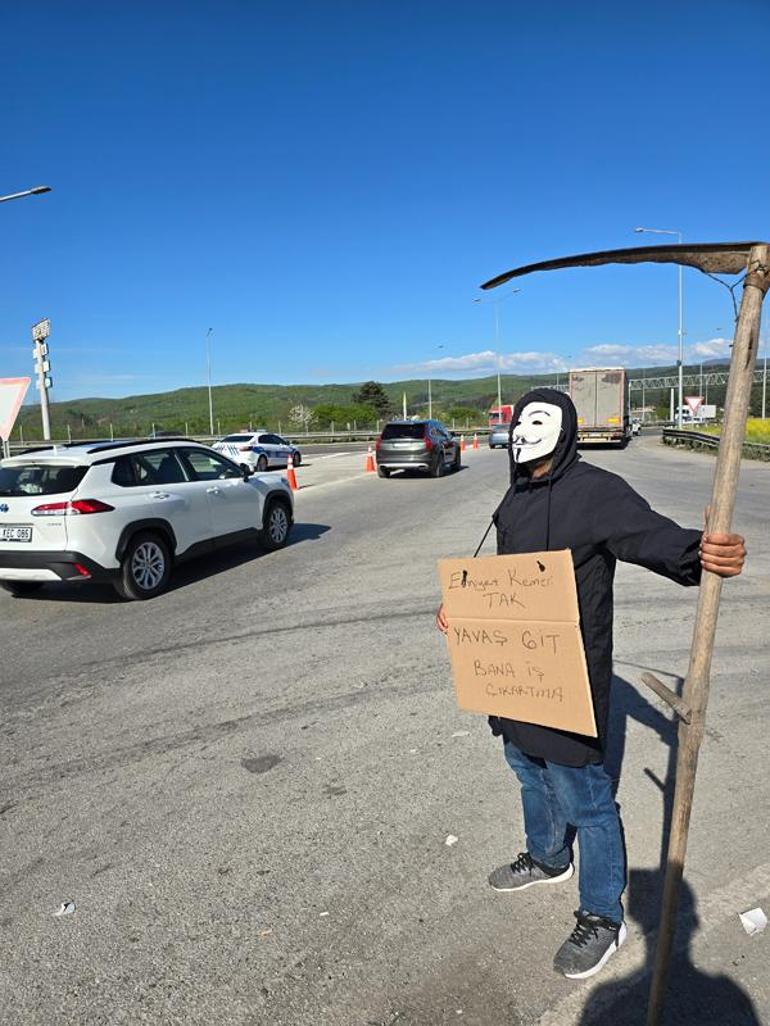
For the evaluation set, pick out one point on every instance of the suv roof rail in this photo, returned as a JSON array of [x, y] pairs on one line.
[[126, 444]]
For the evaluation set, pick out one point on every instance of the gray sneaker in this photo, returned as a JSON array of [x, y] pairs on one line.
[[589, 946], [523, 872]]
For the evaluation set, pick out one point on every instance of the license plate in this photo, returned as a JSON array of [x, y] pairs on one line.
[[15, 534]]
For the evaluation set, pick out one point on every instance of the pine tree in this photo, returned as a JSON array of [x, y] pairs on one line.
[[371, 393]]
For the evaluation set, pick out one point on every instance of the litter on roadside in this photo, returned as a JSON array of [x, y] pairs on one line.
[[65, 909], [323, 914], [461, 733], [753, 921], [451, 839]]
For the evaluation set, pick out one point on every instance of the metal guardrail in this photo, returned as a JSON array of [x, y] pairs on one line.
[[698, 440], [298, 437]]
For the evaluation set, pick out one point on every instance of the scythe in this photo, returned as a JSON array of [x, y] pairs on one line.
[[711, 258]]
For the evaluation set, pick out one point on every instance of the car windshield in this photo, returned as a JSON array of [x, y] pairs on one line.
[[40, 478], [403, 431], [237, 438]]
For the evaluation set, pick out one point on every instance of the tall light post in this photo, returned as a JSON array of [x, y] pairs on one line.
[[430, 393], [496, 301], [208, 368], [40, 331], [764, 384], [567, 356], [680, 361], [35, 191]]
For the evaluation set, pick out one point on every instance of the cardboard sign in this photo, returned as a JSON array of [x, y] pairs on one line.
[[514, 639]]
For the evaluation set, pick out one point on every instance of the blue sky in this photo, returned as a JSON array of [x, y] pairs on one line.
[[326, 184]]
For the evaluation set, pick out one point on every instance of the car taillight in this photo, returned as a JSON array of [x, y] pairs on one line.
[[428, 443], [70, 509], [377, 444]]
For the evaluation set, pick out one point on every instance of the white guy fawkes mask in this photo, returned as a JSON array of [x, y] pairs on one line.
[[536, 432]]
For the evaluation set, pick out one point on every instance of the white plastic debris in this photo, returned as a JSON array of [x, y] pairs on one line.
[[323, 913], [451, 839], [461, 733], [65, 909], [753, 921]]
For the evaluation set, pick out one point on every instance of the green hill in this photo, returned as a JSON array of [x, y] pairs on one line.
[[271, 406]]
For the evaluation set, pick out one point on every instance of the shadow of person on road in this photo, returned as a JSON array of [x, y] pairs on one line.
[[694, 998]]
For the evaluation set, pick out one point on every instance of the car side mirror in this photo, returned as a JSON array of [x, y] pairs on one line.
[[247, 472]]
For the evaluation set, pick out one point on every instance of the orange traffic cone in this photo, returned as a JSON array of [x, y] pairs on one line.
[[370, 468], [475, 441], [291, 475], [462, 443]]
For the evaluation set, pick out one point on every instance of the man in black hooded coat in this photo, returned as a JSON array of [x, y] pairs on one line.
[[556, 501]]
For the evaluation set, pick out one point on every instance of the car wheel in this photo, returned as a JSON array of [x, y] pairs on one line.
[[275, 526], [21, 588], [457, 465], [262, 464], [437, 467], [296, 457], [383, 472], [145, 568]]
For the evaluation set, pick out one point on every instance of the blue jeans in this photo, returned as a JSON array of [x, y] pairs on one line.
[[554, 796]]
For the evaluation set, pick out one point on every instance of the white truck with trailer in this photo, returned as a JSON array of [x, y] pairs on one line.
[[601, 400]]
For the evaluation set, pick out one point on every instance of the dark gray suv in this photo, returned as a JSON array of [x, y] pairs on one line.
[[417, 445]]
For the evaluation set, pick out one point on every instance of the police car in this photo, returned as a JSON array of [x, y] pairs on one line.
[[258, 450]]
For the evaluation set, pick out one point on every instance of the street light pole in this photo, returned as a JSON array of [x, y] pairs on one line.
[[496, 304], [36, 191], [764, 384], [208, 367], [680, 360], [430, 393]]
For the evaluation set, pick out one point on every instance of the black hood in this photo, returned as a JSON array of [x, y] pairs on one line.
[[565, 453]]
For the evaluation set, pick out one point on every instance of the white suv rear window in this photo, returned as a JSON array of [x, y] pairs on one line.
[[40, 478]]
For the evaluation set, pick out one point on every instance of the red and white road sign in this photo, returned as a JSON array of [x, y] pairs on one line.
[[12, 392], [694, 402]]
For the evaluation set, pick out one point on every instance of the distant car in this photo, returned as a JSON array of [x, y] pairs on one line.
[[499, 435], [128, 512], [258, 450], [424, 445]]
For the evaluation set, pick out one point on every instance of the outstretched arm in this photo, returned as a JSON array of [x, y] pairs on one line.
[[635, 533]]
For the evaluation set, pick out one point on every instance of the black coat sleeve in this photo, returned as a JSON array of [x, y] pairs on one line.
[[633, 532]]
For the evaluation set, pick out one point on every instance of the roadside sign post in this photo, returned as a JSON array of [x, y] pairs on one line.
[[753, 258], [40, 333]]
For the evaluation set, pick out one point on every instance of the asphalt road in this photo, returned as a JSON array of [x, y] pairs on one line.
[[246, 785]]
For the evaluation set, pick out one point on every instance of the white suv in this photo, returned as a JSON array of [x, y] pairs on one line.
[[126, 512], [258, 450]]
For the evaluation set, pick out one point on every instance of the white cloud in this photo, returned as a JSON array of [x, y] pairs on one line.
[[486, 362], [713, 347], [631, 355]]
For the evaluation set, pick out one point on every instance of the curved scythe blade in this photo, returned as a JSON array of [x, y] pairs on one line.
[[710, 257]]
